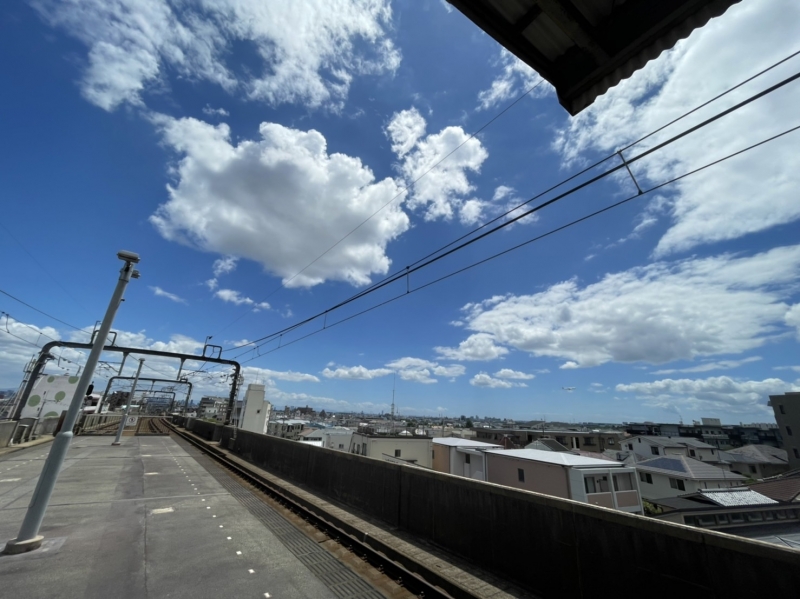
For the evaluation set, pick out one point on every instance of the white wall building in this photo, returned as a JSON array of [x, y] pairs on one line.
[[651, 446], [674, 475], [407, 448], [286, 429], [462, 457], [256, 410], [337, 438]]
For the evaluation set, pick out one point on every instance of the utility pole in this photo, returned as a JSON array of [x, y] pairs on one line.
[[130, 401], [29, 538]]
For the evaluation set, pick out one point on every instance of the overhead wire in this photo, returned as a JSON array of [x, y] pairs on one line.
[[561, 183], [24, 303], [525, 243], [438, 255]]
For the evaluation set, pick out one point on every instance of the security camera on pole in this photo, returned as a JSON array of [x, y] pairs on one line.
[[29, 538]]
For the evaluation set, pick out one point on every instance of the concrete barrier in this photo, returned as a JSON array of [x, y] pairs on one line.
[[203, 429], [7, 428], [554, 547], [46, 426]]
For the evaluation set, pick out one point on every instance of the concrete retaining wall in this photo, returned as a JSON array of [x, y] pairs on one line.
[[46, 426], [554, 547], [7, 428]]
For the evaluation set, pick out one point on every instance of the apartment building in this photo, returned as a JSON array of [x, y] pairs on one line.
[[286, 428], [595, 441], [787, 415]]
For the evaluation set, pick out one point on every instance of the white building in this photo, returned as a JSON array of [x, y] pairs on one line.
[[594, 481], [675, 475], [462, 457], [286, 429], [256, 410], [651, 446], [408, 448], [337, 438]]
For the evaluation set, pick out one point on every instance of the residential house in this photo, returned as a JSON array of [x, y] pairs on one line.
[[785, 487], [590, 480], [757, 461], [462, 457], [212, 408], [337, 437], [406, 447], [596, 441], [675, 475], [286, 428], [257, 410], [787, 415], [650, 446], [726, 510]]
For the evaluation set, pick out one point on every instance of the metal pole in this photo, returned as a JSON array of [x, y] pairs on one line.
[[130, 401], [29, 538]]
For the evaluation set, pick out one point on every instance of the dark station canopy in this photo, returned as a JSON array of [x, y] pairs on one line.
[[585, 47]]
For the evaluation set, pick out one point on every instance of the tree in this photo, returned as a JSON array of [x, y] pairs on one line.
[[323, 415], [469, 423]]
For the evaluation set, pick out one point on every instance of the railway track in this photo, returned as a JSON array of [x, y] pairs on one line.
[[412, 582]]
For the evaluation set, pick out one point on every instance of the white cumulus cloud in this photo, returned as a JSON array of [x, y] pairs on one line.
[[507, 373], [281, 200], [715, 393], [355, 373], [234, 297], [747, 194], [440, 192], [515, 78], [305, 52], [480, 346], [484, 380], [658, 313]]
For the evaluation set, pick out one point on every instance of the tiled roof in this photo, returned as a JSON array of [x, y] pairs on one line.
[[686, 467], [760, 454], [736, 496], [556, 457], [458, 442], [780, 489]]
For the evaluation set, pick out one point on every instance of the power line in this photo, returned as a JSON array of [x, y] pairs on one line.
[[563, 182], [40, 265], [440, 254], [404, 189], [16, 299], [525, 243]]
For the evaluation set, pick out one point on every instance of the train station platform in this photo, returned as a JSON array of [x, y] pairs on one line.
[[154, 518]]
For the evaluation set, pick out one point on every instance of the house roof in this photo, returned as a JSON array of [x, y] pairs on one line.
[[673, 441], [457, 442], [556, 457], [760, 454], [585, 47], [781, 488], [736, 496], [685, 467], [546, 445]]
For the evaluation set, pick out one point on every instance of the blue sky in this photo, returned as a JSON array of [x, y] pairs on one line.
[[233, 144]]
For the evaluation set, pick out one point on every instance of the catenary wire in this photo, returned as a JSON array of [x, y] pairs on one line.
[[561, 183], [16, 299], [518, 246], [404, 189], [401, 274]]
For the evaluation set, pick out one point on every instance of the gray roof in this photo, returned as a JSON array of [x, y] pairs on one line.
[[736, 496], [684, 467], [759, 454], [546, 445], [674, 441]]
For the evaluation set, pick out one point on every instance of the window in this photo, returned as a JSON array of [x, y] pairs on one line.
[[623, 482], [363, 449], [753, 469], [646, 477], [692, 453], [520, 475], [341, 445], [780, 407], [654, 450], [397, 453], [466, 458], [611, 440], [588, 483], [789, 430], [433, 454], [796, 453], [677, 483], [630, 446]]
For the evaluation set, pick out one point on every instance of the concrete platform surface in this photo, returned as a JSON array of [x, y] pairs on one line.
[[142, 520]]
